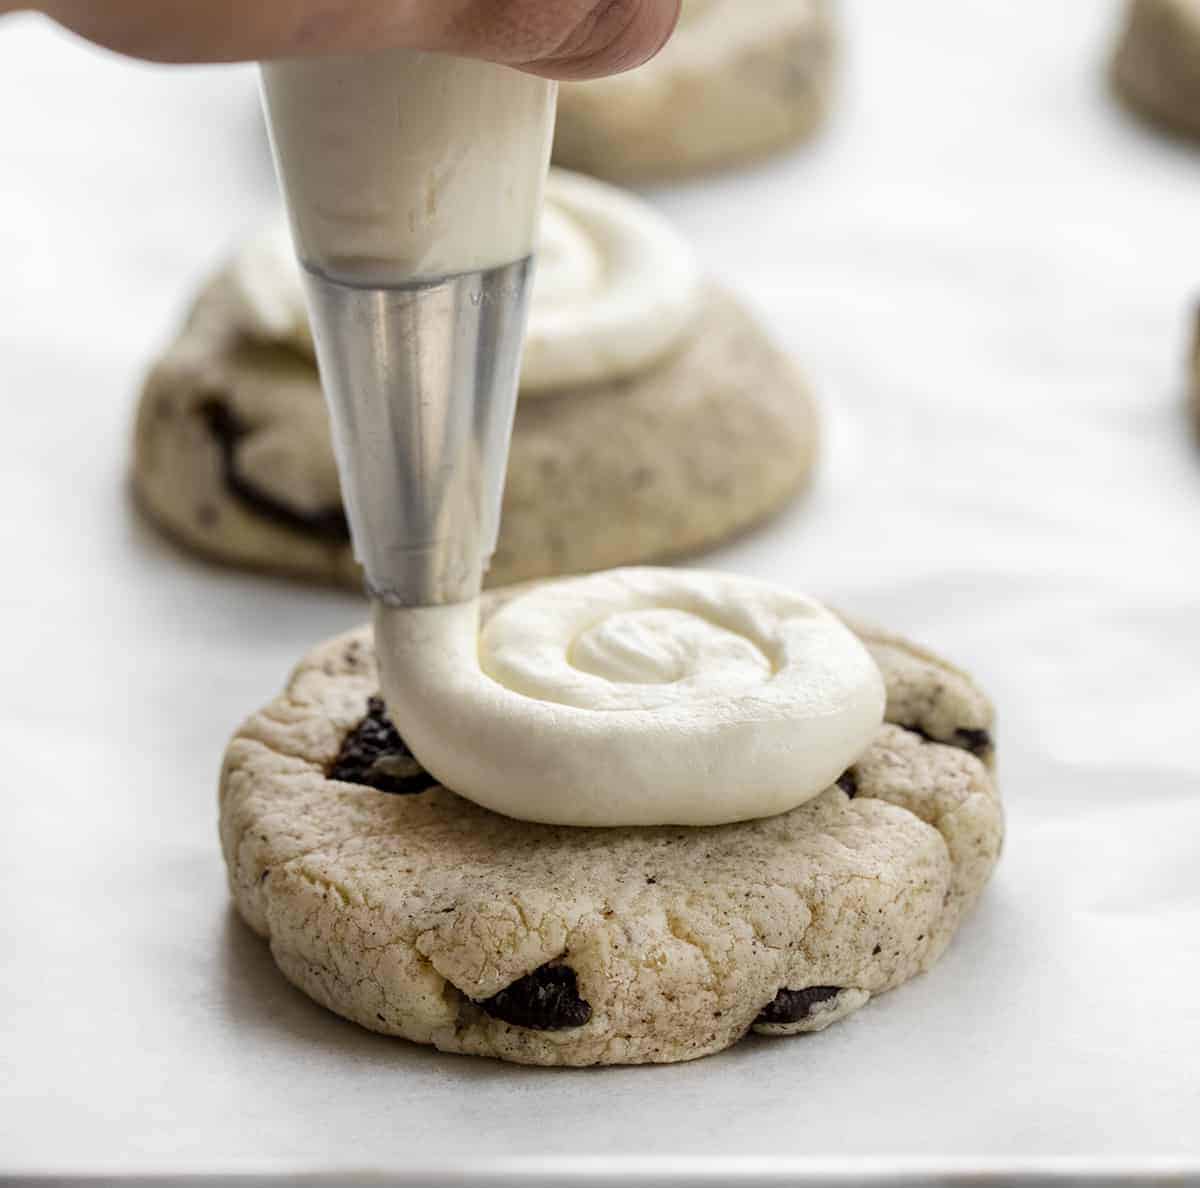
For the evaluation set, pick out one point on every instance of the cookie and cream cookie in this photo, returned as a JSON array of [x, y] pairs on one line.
[[738, 80], [409, 909], [656, 418], [1156, 67]]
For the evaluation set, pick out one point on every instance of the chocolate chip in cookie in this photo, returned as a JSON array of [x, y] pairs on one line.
[[327, 523], [374, 754], [790, 1006], [545, 1000], [977, 742]]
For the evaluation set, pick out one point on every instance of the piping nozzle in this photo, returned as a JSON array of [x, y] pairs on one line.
[[421, 383]]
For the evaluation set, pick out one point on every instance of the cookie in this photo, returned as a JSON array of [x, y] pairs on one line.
[[1156, 67], [232, 454], [411, 911], [739, 80]]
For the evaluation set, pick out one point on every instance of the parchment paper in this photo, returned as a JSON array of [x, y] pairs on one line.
[[987, 269]]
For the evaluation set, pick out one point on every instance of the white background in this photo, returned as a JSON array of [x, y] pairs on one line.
[[987, 269]]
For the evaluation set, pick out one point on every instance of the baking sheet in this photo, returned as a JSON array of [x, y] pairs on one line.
[[987, 270]]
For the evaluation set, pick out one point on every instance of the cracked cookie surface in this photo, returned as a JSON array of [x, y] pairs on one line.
[[421, 915], [233, 457]]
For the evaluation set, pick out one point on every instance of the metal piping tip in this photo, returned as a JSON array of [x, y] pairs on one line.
[[421, 383]]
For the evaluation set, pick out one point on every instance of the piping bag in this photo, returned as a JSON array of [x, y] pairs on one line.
[[414, 187]]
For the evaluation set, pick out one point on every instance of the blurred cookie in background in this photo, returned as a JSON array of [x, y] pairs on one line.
[[656, 417], [1156, 67], [739, 80]]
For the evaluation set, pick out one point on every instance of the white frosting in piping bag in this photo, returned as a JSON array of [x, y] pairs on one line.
[[632, 697], [399, 165], [616, 288]]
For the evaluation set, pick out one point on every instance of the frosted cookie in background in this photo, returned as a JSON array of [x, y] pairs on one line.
[[656, 417], [1156, 67], [415, 912], [740, 79]]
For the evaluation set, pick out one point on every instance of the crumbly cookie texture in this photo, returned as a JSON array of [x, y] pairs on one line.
[[411, 911], [232, 453], [1156, 67], [739, 80]]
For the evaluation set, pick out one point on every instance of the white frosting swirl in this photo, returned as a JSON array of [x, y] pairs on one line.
[[632, 697], [616, 288]]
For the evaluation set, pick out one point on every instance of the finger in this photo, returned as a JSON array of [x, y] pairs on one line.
[[557, 38], [575, 39], [234, 30]]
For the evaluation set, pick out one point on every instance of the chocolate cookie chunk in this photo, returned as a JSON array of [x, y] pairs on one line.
[[374, 754], [545, 1000]]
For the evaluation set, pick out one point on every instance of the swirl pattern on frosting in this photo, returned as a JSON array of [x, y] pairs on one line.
[[616, 288], [632, 697]]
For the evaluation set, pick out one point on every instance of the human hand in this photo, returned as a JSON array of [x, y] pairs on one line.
[[556, 38]]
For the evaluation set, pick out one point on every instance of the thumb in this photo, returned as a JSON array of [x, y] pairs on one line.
[[572, 39]]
